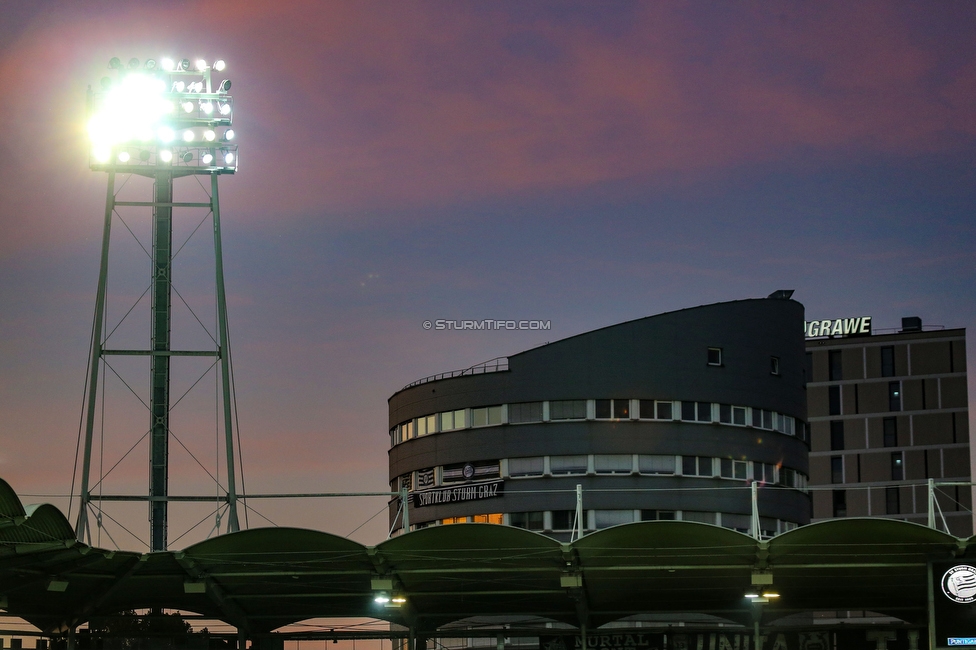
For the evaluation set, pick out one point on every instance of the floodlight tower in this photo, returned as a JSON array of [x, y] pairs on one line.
[[163, 122]]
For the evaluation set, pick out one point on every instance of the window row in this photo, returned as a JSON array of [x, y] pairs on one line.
[[563, 521], [889, 431], [598, 409], [603, 464], [835, 405]]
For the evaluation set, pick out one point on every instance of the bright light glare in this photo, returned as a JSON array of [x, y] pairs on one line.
[[399, 600], [209, 135], [229, 134], [188, 135], [129, 110], [165, 155], [201, 65], [207, 158], [179, 86], [229, 158], [102, 154], [188, 107], [168, 64], [219, 65], [124, 156], [207, 107], [224, 108], [166, 134], [382, 599]]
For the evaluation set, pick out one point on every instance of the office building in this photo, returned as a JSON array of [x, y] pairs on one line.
[[889, 410], [673, 416]]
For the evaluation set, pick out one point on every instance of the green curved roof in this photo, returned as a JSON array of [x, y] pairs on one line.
[[262, 579]]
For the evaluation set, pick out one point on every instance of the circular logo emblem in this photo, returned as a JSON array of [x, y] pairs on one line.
[[468, 471], [959, 583]]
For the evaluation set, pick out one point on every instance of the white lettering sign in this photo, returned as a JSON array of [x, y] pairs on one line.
[[860, 326]]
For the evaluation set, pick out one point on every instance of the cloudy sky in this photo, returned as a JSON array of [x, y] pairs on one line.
[[583, 163]]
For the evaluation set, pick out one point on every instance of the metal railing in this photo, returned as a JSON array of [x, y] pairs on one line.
[[498, 364]]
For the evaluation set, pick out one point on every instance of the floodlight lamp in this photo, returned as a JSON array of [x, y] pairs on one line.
[[165, 155], [187, 107], [381, 598], [399, 600], [106, 83], [219, 65], [206, 158], [229, 158], [223, 107], [184, 64], [133, 63], [144, 155], [178, 86], [770, 593], [150, 64], [228, 135], [207, 107], [187, 157], [102, 153], [188, 135], [166, 134], [130, 110], [115, 63], [224, 86], [209, 135], [168, 64], [201, 65], [124, 156]]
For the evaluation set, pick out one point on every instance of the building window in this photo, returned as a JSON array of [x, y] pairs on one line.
[[607, 518], [840, 503], [835, 368], [836, 469], [451, 420], [833, 397], [567, 465], [762, 419], [894, 396], [888, 361], [764, 473], [774, 365], [892, 501], [533, 466], [426, 425], [725, 413], [621, 408], [701, 517], [714, 356], [837, 435], [454, 520], [657, 515], [733, 468], [563, 519], [808, 367], [741, 523], [897, 466], [613, 463], [458, 472], [527, 520], [612, 408], [603, 409], [655, 464], [696, 466], [788, 477], [665, 410], [525, 412], [890, 429], [739, 415], [568, 409], [486, 416], [493, 518], [696, 411]]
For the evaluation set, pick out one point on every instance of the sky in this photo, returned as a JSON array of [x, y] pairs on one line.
[[581, 163]]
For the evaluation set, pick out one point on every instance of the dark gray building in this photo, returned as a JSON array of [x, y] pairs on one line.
[[888, 411], [672, 416]]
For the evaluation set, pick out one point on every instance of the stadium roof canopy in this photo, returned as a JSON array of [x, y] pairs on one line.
[[262, 579]]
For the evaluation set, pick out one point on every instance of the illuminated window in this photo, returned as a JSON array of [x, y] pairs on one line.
[[495, 518], [454, 520]]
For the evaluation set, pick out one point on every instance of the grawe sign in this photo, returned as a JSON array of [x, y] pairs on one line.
[[859, 326]]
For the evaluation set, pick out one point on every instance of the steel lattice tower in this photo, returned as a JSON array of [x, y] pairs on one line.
[[161, 122]]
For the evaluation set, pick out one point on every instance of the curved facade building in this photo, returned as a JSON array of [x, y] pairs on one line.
[[672, 416]]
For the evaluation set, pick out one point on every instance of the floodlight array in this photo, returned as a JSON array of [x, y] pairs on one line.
[[165, 114]]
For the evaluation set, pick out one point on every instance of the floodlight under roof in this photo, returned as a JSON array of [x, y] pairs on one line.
[[228, 135], [168, 64], [187, 157], [224, 86], [150, 64], [184, 64], [201, 65], [207, 158], [133, 63], [219, 65], [115, 63], [165, 155]]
